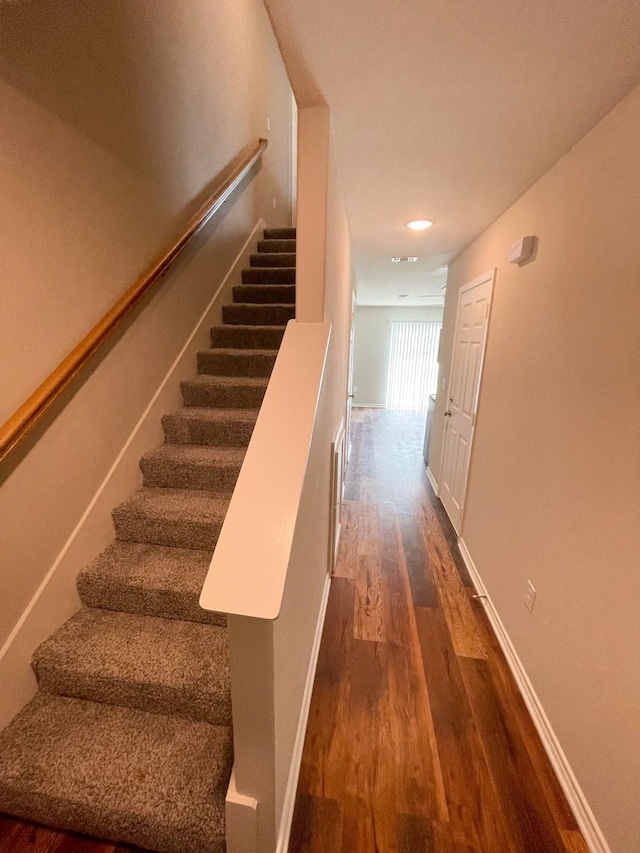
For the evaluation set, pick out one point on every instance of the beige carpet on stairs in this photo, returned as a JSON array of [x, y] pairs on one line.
[[129, 737]]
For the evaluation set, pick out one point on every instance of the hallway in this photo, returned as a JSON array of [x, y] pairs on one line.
[[418, 739]]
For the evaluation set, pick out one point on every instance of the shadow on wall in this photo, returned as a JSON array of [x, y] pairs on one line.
[[101, 68]]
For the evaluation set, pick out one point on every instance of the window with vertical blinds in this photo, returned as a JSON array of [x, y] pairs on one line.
[[413, 364]]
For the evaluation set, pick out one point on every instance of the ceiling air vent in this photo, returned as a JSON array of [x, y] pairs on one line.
[[403, 260]]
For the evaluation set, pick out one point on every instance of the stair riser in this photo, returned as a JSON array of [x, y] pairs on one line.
[[257, 275], [143, 602], [134, 527], [273, 259], [223, 396], [246, 338], [154, 698], [277, 246], [258, 315], [217, 363], [279, 233], [176, 475], [265, 293], [179, 430]]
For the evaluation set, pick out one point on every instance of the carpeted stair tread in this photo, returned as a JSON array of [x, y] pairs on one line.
[[279, 233], [247, 337], [151, 580], [248, 313], [180, 518], [192, 466], [269, 275], [229, 392], [284, 294], [161, 665], [129, 737], [273, 259], [157, 781], [231, 361], [277, 245], [214, 427]]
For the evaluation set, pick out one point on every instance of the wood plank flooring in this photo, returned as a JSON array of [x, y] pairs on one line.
[[20, 837], [418, 740]]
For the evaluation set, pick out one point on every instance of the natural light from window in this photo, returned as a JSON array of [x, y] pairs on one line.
[[413, 364]]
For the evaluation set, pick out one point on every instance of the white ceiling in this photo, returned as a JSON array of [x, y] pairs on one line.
[[449, 110]]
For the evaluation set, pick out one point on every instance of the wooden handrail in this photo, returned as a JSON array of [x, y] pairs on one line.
[[26, 417]]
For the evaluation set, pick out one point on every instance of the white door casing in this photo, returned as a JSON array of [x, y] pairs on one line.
[[472, 324], [337, 492], [294, 160], [347, 453]]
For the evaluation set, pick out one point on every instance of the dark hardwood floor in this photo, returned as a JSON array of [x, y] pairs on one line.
[[20, 837], [418, 740]]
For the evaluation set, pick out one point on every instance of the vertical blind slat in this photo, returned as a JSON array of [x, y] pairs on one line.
[[413, 366]]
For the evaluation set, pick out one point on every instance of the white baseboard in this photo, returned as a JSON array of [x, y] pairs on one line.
[[432, 480], [369, 406], [294, 771], [56, 599], [241, 815], [585, 818]]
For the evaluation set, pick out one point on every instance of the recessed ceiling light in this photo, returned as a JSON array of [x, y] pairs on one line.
[[419, 224]]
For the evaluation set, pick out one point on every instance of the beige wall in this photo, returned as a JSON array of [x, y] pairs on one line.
[[325, 298], [310, 552], [554, 489], [116, 116], [371, 349], [339, 285], [310, 555]]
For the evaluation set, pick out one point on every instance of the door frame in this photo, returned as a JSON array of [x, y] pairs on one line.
[[338, 451], [489, 275], [294, 160], [349, 407]]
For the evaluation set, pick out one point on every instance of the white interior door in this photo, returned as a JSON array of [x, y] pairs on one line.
[[472, 323]]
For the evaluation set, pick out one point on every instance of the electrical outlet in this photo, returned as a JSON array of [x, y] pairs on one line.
[[530, 597]]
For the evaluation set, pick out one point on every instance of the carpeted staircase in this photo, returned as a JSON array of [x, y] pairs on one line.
[[129, 737]]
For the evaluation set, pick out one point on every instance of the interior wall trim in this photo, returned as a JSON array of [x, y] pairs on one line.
[[576, 798], [432, 480]]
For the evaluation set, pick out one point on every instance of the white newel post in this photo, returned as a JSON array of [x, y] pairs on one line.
[[251, 826]]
